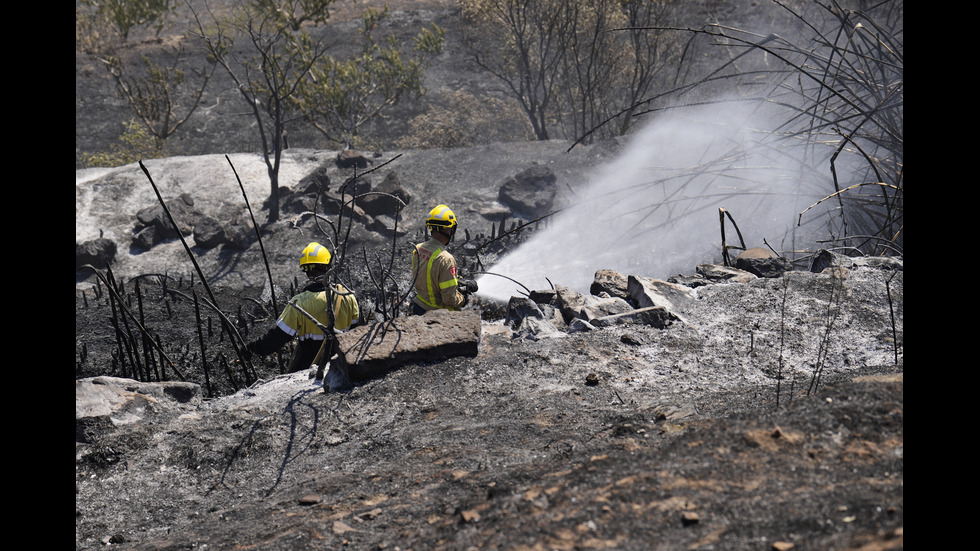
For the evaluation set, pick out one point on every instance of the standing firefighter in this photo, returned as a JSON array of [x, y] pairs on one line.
[[434, 269], [295, 320]]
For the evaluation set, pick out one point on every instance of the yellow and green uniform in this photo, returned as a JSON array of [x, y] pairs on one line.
[[294, 324], [435, 273], [313, 300]]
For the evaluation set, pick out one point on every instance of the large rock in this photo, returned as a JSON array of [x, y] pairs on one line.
[[536, 329], [317, 179], [654, 316], [519, 309], [388, 198], [154, 226], [209, 233], [351, 158], [229, 229], [372, 350], [762, 262], [530, 193], [610, 282], [103, 403], [724, 274], [828, 259], [646, 292], [97, 252], [587, 307]]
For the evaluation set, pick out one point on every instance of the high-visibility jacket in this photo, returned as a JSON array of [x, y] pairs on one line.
[[313, 300], [435, 272], [294, 324]]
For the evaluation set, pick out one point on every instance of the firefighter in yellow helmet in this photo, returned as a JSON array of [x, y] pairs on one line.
[[434, 273], [294, 323]]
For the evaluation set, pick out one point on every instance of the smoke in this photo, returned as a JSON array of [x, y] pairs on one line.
[[654, 211]]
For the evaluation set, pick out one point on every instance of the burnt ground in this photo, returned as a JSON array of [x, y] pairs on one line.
[[576, 470], [629, 438], [623, 438]]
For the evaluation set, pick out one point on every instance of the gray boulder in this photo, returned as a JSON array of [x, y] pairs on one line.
[[209, 233], [647, 292], [316, 180], [154, 226], [530, 193], [371, 350], [351, 158], [762, 262], [520, 309], [724, 274], [610, 282], [536, 329], [104, 403], [98, 252], [654, 316], [387, 198], [587, 307], [828, 259]]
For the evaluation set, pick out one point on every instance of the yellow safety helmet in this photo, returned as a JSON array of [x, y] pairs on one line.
[[313, 254], [441, 217]]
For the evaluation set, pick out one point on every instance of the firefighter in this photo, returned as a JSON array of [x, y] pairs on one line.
[[434, 273], [293, 323]]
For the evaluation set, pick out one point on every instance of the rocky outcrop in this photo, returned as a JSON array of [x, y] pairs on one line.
[[153, 226], [103, 403], [531, 192], [97, 253], [616, 299], [368, 351]]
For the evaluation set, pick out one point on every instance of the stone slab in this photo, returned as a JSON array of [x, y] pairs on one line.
[[372, 350]]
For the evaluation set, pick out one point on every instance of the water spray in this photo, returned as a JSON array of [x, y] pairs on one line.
[[653, 211]]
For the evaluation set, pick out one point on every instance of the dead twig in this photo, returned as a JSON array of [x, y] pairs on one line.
[[143, 331], [839, 192], [258, 235], [228, 325], [724, 246]]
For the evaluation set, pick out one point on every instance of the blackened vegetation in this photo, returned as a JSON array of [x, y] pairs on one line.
[[157, 327], [485, 250]]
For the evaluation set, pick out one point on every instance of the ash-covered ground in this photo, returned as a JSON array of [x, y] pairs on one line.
[[771, 416]]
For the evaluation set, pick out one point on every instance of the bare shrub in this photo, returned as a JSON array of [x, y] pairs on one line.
[[467, 120]]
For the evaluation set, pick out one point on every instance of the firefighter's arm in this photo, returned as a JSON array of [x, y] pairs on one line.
[[449, 285], [273, 339]]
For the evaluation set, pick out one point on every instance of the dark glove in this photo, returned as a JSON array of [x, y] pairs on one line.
[[467, 286]]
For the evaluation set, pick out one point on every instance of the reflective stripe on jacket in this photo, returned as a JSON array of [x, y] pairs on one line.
[[435, 282], [313, 300]]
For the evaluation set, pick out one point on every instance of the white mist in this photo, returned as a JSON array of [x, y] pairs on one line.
[[654, 211]]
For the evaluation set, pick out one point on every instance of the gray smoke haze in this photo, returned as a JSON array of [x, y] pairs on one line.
[[654, 211]]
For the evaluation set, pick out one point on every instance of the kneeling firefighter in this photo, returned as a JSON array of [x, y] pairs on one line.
[[295, 322], [434, 271]]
